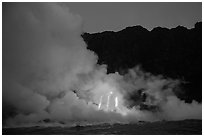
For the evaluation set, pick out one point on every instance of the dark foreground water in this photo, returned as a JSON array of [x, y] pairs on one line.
[[185, 127]]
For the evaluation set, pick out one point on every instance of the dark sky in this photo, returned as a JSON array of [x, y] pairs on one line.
[[101, 16]]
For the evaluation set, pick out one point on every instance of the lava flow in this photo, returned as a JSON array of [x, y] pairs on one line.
[[110, 103]]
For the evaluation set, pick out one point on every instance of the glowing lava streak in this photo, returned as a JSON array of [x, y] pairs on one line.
[[99, 106], [108, 100], [116, 102]]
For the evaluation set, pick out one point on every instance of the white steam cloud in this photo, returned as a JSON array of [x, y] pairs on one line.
[[48, 73]]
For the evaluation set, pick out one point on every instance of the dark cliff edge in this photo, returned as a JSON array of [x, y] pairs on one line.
[[174, 53]]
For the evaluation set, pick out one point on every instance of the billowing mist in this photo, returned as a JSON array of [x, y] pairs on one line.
[[49, 76]]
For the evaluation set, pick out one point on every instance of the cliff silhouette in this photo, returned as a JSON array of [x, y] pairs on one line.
[[174, 53]]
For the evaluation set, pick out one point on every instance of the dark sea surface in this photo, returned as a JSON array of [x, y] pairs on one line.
[[185, 127]]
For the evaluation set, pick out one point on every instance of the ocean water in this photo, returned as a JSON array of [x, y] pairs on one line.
[[184, 127]]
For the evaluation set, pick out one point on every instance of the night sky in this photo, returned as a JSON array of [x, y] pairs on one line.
[[101, 16]]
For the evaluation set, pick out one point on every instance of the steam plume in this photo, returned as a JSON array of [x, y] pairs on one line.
[[48, 73]]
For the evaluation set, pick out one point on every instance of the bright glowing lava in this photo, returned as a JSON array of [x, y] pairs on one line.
[[110, 102]]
